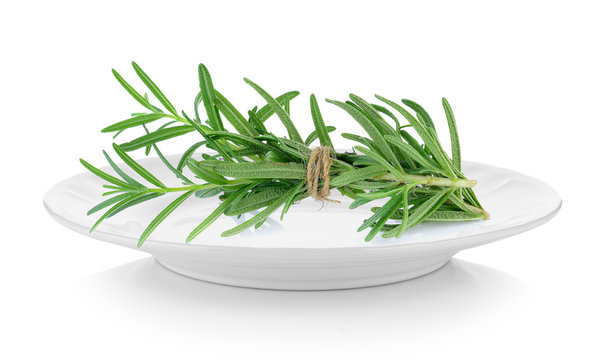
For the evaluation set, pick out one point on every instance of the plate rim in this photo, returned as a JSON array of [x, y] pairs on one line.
[[131, 242], [492, 236]]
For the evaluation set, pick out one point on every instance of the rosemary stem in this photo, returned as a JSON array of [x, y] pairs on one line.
[[485, 214], [431, 180]]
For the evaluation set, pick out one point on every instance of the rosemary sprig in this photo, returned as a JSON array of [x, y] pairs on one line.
[[253, 169]]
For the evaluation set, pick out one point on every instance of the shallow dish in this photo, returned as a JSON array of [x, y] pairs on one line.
[[316, 247]]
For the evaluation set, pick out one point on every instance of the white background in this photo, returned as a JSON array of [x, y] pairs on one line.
[[531, 83]]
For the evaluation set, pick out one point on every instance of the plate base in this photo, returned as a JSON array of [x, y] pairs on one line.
[[309, 278]]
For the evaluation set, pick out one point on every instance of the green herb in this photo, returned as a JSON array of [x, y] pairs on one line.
[[254, 170]]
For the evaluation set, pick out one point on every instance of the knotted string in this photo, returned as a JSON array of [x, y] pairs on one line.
[[318, 169]]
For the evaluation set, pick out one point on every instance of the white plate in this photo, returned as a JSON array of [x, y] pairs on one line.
[[315, 247]]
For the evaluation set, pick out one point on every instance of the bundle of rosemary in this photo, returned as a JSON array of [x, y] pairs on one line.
[[253, 169]]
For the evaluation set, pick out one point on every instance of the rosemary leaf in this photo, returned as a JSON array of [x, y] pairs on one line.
[[107, 203], [256, 201], [101, 174], [380, 144], [452, 216], [278, 109], [390, 206], [385, 214], [171, 167], [156, 136], [163, 215], [292, 198], [413, 153], [318, 122], [314, 135], [379, 194], [261, 216], [115, 207], [426, 136], [422, 211], [137, 167], [154, 89], [261, 170], [456, 155], [140, 199], [267, 110], [234, 116], [205, 173], [132, 122], [138, 97], [121, 173], [208, 96], [219, 211], [357, 175], [187, 154]]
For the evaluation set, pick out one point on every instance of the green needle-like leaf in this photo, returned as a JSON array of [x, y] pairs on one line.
[[163, 215], [372, 185], [261, 170], [219, 211], [388, 113], [246, 141], [379, 194], [132, 122], [300, 187], [137, 167], [138, 200], [378, 140], [186, 155], [358, 174], [279, 110], [138, 97], [423, 211], [380, 160], [261, 216], [205, 174], [314, 135], [115, 207], [403, 225], [386, 212], [373, 115], [452, 216], [267, 110], [208, 96], [318, 122], [390, 206], [121, 173], [420, 112], [170, 166], [234, 116], [107, 203], [358, 202], [154, 89], [156, 137], [254, 202], [206, 193], [456, 155], [258, 124], [413, 153], [360, 139], [103, 175], [426, 136]]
